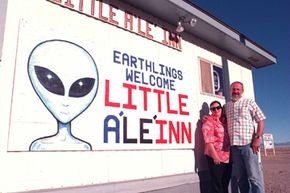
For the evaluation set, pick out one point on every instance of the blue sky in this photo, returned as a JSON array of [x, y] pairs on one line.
[[265, 22]]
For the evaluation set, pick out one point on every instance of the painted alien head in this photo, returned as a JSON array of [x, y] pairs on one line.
[[64, 76]]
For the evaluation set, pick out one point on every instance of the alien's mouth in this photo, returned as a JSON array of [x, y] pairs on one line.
[[64, 113]]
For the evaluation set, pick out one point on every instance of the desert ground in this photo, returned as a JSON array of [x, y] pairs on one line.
[[276, 169]]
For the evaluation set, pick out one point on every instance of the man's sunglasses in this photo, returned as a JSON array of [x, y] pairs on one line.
[[215, 108]]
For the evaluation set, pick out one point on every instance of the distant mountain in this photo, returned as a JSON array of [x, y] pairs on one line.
[[283, 144]]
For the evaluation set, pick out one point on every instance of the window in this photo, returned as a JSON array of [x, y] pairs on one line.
[[211, 78]]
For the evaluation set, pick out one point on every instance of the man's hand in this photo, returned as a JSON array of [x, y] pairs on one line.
[[256, 145], [204, 118]]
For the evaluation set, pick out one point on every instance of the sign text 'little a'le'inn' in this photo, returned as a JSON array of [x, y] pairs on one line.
[[124, 19]]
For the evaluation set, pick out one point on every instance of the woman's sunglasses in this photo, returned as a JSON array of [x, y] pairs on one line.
[[215, 108]]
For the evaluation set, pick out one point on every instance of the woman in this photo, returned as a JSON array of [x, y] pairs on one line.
[[217, 148]]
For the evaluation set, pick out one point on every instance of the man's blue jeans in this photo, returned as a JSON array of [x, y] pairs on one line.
[[247, 169]]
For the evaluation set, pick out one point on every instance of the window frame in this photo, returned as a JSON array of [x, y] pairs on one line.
[[211, 64]]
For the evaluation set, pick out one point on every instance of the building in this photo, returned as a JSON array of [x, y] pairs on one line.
[[106, 96]]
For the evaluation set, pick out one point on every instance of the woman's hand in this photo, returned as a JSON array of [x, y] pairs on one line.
[[217, 161]]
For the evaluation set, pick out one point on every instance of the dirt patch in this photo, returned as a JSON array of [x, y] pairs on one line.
[[276, 169]]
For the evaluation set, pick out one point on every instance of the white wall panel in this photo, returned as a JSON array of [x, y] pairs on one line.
[[24, 118]]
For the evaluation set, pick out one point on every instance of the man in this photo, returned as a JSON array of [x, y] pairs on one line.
[[245, 141]]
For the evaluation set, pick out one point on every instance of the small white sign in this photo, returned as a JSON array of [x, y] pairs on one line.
[[268, 142]]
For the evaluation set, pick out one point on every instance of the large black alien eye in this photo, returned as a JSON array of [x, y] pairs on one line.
[[81, 87], [49, 80]]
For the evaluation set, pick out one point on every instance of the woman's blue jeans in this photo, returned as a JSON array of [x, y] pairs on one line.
[[247, 169]]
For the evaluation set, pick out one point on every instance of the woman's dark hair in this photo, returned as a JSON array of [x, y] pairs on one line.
[[215, 102]]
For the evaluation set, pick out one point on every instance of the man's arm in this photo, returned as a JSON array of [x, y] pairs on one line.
[[257, 137]]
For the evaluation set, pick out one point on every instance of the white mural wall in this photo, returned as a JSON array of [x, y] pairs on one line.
[[86, 85], [129, 92]]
